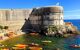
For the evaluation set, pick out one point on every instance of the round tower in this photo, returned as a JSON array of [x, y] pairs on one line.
[[56, 16]]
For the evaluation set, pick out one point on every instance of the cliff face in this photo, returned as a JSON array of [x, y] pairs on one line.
[[70, 28]]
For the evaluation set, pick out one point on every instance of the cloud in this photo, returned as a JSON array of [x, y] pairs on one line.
[[78, 10], [72, 14]]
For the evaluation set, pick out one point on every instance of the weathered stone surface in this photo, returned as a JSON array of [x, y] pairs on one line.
[[33, 19]]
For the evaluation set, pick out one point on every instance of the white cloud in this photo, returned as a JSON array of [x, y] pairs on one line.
[[78, 10], [73, 14]]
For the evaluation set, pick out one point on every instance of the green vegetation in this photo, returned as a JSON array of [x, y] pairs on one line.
[[5, 27], [1, 27], [26, 39], [52, 28]]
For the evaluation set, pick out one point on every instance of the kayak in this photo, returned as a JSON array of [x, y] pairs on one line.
[[75, 46]]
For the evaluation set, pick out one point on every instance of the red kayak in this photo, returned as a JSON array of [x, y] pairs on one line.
[[75, 46]]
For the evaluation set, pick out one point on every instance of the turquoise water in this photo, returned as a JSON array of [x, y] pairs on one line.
[[72, 40], [57, 42]]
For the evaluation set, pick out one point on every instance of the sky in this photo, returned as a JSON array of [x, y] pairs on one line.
[[71, 7]]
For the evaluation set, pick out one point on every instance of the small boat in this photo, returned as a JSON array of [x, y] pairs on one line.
[[76, 42], [75, 46]]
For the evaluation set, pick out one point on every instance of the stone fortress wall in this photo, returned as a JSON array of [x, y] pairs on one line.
[[14, 18], [46, 16]]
